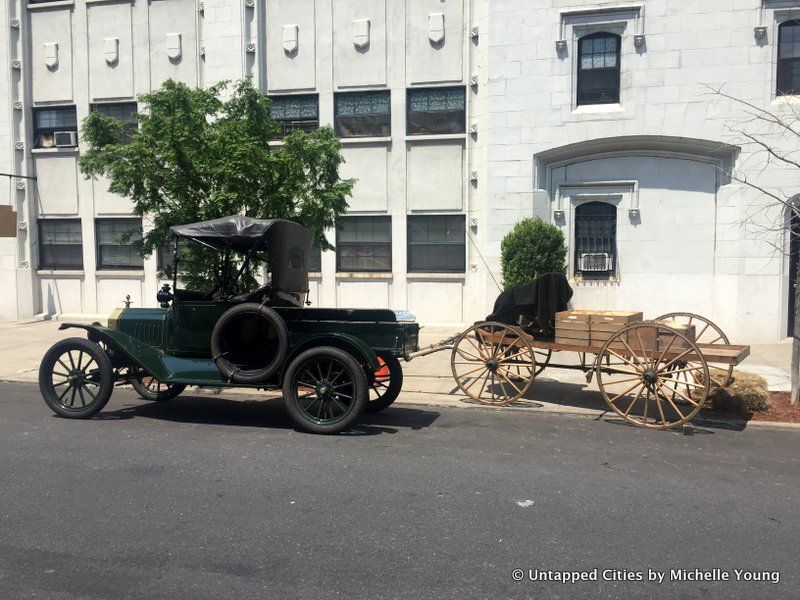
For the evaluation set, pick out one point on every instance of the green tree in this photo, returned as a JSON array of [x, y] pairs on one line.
[[531, 249], [198, 155]]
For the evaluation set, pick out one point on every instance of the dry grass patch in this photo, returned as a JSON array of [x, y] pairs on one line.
[[747, 393]]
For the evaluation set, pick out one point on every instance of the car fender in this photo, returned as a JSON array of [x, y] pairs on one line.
[[349, 343], [132, 351]]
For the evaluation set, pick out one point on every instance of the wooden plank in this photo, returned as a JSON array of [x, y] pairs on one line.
[[732, 354], [618, 317]]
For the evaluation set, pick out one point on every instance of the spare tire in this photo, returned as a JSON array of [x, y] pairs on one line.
[[249, 343]]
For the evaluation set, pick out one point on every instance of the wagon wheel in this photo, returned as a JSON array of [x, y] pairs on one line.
[[636, 373], [493, 363], [706, 332]]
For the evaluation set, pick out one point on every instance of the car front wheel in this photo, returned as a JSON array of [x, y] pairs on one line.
[[75, 378], [325, 390]]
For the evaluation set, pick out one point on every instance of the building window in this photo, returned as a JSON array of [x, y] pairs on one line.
[[598, 68], [114, 252], [47, 122], [125, 112], [315, 259], [60, 244], [595, 239], [437, 244], [364, 244], [294, 112], [788, 58], [361, 114], [436, 111]]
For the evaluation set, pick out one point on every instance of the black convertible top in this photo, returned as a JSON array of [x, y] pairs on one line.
[[287, 243], [241, 233]]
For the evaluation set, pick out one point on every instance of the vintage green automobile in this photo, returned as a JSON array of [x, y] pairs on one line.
[[331, 364]]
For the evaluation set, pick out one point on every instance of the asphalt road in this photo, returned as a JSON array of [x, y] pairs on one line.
[[218, 498]]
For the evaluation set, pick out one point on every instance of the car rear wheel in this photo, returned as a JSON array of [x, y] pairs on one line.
[[150, 388], [76, 378], [386, 384], [325, 390]]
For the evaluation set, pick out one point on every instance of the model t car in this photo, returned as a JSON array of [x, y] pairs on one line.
[[331, 364]]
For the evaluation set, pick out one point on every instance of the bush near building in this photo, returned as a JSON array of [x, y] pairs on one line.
[[531, 249]]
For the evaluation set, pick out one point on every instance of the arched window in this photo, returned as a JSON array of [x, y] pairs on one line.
[[788, 58], [595, 239], [598, 68]]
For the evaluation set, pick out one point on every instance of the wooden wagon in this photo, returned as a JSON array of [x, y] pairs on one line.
[[651, 373]]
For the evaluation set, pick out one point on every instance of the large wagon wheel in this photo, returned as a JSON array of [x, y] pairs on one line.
[[706, 332], [493, 363], [636, 373]]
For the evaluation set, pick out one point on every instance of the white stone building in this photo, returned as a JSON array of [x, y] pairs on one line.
[[457, 117]]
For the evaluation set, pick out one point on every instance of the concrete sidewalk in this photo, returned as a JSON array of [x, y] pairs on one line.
[[428, 379]]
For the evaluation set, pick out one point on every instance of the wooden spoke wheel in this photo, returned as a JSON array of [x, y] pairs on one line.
[[637, 373], [493, 363], [706, 332]]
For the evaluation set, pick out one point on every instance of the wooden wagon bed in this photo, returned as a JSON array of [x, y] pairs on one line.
[[728, 354], [654, 374]]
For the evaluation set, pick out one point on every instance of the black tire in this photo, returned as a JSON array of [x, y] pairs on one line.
[[150, 388], [249, 343], [76, 370], [383, 392], [309, 386]]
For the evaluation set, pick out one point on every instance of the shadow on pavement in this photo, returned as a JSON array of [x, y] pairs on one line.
[[268, 413]]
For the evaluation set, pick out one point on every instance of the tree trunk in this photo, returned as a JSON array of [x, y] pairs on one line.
[[795, 397]]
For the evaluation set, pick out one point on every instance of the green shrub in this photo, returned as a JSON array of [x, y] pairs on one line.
[[531, 249]]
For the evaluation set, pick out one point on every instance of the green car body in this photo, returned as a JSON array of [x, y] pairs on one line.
[[173, 344], [331, 364]]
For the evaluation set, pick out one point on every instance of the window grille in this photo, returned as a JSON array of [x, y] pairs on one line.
[[295, 112], [436, 111], [598, 69], [595, 239], [362, 114]]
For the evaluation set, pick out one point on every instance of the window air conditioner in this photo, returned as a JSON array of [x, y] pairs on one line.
[[65, 139], [594, 262]]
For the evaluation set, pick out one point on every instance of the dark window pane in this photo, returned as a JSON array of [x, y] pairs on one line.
[[364, 244], [60, 244], [315, 260], [595, 238], [598, 69], [112, 251], [295, 112], [46, 121], [122, 111], [437, 243], [788, 59], [436, 111], [362, 114]]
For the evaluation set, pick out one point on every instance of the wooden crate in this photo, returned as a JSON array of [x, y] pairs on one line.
[[595, 326]]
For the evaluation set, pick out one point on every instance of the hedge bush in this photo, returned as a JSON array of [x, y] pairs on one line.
[[531, 249]]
